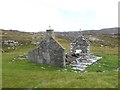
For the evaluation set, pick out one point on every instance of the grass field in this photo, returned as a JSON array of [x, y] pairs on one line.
[[24, 74], [18, 73]]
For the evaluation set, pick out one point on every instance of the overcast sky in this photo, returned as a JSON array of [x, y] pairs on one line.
[[62, 15]]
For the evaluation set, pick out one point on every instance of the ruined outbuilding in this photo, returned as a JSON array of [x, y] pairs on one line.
[[80, 51], [49, 51], [80, 47]]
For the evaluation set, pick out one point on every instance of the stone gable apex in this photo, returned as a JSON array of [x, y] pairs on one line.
[[49, 51]]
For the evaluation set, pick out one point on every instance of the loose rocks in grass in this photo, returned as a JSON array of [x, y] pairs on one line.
[[21, 57]]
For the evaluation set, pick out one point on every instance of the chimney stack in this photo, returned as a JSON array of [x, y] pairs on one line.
[[49, 31]]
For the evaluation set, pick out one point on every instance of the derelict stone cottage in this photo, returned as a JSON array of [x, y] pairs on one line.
[[80, 47], [49, 51], [80, 50]]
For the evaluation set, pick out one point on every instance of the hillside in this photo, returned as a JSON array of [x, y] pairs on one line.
[[95, 37], [19, 73], [107, 31]]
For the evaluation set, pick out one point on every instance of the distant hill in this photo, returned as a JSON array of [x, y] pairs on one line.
[[106, 36], [102, 31]]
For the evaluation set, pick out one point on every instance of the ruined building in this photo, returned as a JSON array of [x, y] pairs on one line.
[[80, 47], [80, 51], [49, 51]]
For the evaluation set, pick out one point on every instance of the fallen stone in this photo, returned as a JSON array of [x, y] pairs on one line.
[[81, 66]]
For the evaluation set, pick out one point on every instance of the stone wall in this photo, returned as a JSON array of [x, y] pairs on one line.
[[50, 52], [80, 43], [80, 48]]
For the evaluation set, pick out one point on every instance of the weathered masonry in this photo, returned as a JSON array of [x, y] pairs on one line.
[[49, 51], [80, 50], [80, 47]]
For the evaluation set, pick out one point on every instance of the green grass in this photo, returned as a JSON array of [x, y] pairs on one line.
[[24, 74], [109, 59], [107, 63], [104, 50]]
